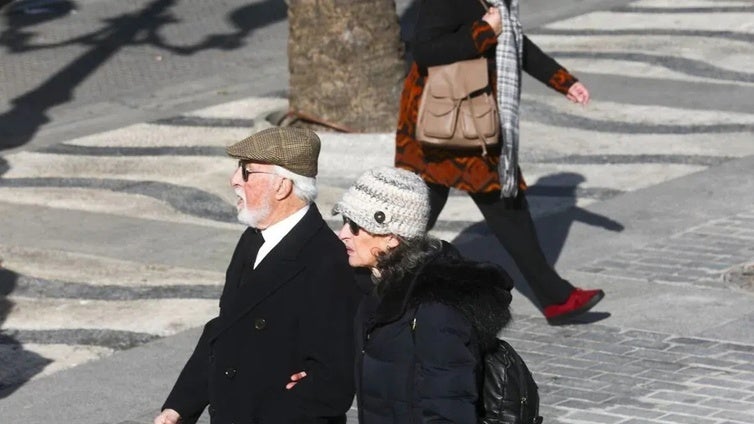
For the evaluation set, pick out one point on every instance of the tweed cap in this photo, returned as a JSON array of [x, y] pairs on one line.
[[387, 201], [295, 149]]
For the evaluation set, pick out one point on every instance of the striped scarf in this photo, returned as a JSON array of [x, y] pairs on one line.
[[509, 56]]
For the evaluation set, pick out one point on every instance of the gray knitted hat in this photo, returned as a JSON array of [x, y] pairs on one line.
[[387, 201]]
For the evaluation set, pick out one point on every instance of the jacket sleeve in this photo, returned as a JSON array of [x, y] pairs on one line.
[[446, 381], [545, 69], [440, 39], [326, 349], [190, 393]]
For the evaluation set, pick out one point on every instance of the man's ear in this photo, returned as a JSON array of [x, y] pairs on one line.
[[284, 189], [392, 241]]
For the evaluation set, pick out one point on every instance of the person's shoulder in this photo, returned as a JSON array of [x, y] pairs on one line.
[[439, 313], [451, 267], [323, 251], [480, 291], [455, 277], [325, 241]]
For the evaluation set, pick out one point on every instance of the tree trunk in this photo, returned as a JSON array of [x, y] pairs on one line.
[[346, 62]]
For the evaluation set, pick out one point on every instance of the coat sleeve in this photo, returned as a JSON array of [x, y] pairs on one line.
[[190, 393], [440, 39], [545, 69], [446, 382], [325, 348]]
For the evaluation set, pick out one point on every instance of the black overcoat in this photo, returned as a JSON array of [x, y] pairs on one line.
[[293, 312], [420, 342]]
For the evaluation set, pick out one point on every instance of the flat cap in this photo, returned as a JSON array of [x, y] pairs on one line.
[[295, 149]]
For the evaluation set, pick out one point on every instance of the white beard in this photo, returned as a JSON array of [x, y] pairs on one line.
[[252, 218]]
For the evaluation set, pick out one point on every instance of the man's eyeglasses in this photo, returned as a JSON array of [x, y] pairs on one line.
[[352, 226], [245, 172]]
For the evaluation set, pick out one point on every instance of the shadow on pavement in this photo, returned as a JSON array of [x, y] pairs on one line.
[[586, 318], [29, 111], [17, 365], [4, 167], [552, 229]]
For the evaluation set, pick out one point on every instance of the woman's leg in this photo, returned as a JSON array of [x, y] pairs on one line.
[[438, 195], [511, 222]]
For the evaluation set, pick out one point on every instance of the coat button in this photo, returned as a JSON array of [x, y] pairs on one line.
[[260, 323], [230, 373]]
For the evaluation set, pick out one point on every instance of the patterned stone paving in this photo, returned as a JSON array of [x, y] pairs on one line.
[[57, 305]]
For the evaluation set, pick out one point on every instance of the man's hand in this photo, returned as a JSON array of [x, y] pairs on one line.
[[493, 18], [578, 94], [295, 378], [168, 416]]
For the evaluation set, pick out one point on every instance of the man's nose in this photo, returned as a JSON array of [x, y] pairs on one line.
[[236, 178]]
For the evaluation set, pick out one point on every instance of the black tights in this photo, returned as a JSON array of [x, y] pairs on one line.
[[511, 222]]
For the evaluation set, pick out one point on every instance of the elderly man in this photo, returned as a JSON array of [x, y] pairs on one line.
[[287, 306]]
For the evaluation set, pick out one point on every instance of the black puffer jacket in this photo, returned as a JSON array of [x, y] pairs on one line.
[[429, 373]]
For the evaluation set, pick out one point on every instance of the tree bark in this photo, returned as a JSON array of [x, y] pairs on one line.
[[346, 62]]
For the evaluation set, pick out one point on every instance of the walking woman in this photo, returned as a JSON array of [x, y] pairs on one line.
[[452, 30], [420, 331]]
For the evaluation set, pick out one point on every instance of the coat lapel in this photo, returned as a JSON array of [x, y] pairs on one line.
[[278, 268]]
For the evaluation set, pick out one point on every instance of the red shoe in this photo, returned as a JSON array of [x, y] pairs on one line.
[[578, 302]]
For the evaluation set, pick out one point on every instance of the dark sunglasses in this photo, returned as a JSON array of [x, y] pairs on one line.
[[352, 226], [245, 172]]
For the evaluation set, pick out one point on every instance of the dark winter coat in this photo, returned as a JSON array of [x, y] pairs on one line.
[[429, 373], [293, 312], [448, 31]]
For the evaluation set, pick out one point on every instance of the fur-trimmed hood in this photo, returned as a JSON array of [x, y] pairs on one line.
[[479, 290]]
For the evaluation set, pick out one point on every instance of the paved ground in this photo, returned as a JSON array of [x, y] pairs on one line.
[[114, 243]]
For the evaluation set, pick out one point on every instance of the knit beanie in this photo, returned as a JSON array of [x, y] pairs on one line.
[[387, 201]]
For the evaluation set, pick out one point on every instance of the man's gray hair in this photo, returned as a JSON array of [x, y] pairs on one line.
[[305, 188]]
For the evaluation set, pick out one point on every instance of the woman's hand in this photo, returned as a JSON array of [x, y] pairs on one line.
[[578, 94], [493, 18]]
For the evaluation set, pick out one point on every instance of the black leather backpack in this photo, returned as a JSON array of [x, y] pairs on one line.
[[509, 393]]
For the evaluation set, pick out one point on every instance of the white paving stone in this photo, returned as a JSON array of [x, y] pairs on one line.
[[161, 317], [249, 108], [735, 21], [98, 270], [152, 135], [104, 201]]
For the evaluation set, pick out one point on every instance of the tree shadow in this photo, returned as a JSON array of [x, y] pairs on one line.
[[17, 365], [245, 19], [29, 111], [553, 198]]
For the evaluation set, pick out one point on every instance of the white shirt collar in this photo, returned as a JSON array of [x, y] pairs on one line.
[[275, 232]]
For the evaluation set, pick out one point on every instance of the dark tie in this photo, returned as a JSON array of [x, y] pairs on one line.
[[255, 241]]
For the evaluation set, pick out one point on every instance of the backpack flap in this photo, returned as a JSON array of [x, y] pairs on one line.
[[509, 392]]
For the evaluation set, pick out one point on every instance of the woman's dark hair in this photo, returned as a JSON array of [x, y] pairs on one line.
[[407, 257]]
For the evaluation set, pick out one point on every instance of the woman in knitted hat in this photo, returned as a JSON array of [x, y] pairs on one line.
[[421, 330]]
